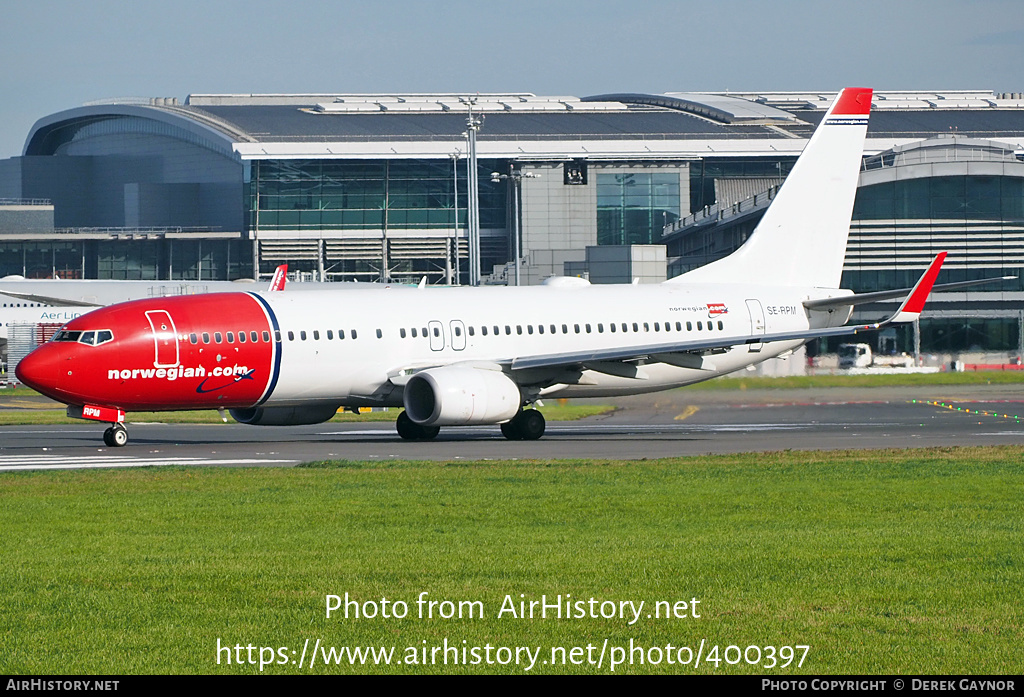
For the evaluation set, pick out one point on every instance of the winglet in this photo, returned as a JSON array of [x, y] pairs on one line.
[[280, 276], [911, 308]]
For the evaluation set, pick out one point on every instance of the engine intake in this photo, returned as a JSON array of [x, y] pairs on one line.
[[460, 397], [285, 416]]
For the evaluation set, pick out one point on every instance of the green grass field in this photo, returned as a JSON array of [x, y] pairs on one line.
[[882, 562]]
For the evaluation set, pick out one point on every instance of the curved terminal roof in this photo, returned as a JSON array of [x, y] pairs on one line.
[[261, 125]]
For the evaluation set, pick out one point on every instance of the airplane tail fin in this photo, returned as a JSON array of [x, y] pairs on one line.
[[801, 240], [280, 277]]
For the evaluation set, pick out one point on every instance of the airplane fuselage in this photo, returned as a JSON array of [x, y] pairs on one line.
[[353, 347]]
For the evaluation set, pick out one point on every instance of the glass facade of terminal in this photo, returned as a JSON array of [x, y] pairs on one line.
[[957, 197], [635, 208], [979, 220], [704, 173], [129, 260], [315, 195]]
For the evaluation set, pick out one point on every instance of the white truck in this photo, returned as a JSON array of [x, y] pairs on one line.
[[861, 356]]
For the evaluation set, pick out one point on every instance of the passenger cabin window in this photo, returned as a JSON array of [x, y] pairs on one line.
[[206, 337], [254, 337], [193, 339], [330, 334], [291, 336], [401, 332], [218, 337], [379, 334], [353, 334], [231, 337], [241, 337], [316, 335]]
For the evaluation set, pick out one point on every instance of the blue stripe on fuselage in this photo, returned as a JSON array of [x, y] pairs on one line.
[[277, 348]]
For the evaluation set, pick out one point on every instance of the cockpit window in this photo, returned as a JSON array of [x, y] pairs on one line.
[[90, 338]]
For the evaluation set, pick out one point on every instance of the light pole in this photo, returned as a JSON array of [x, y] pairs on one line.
[[515, 178], [453, 260], [473, 194]]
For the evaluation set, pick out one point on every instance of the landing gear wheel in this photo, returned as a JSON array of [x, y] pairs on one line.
[[528, 424], [410, 430], [531, 424], [116, 436], [508, 429]]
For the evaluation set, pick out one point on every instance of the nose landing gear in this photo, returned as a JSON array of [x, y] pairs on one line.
[[116, 436]]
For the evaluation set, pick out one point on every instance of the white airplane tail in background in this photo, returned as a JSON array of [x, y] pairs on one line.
[[801, 240]]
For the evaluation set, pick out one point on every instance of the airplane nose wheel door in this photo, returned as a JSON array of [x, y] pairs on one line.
[[116, 436]]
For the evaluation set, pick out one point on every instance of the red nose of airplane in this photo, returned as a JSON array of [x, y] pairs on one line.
[[41, 370]]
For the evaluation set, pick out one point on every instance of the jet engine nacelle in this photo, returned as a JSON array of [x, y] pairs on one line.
[[285, 416], [461, 396]]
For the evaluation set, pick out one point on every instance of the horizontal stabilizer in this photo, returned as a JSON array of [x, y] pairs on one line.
[[47, 299], [883, 295]]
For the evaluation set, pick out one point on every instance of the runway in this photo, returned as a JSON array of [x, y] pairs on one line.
[[675, 423]]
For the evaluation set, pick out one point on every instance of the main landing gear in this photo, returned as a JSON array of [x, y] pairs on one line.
[[528, 424], [410, 430], [116, 436]]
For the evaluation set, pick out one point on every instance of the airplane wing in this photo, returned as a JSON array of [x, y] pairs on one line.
[[47, 299], [674, 352]]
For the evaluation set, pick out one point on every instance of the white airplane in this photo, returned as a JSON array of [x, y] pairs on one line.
[[461, 356]]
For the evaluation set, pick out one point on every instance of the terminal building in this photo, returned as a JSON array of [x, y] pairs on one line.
[[374, 187]]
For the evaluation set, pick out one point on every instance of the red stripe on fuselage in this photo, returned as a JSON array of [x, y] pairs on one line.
[[132, 373]]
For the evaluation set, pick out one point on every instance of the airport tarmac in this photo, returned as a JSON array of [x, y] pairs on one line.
[[674, 423]]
